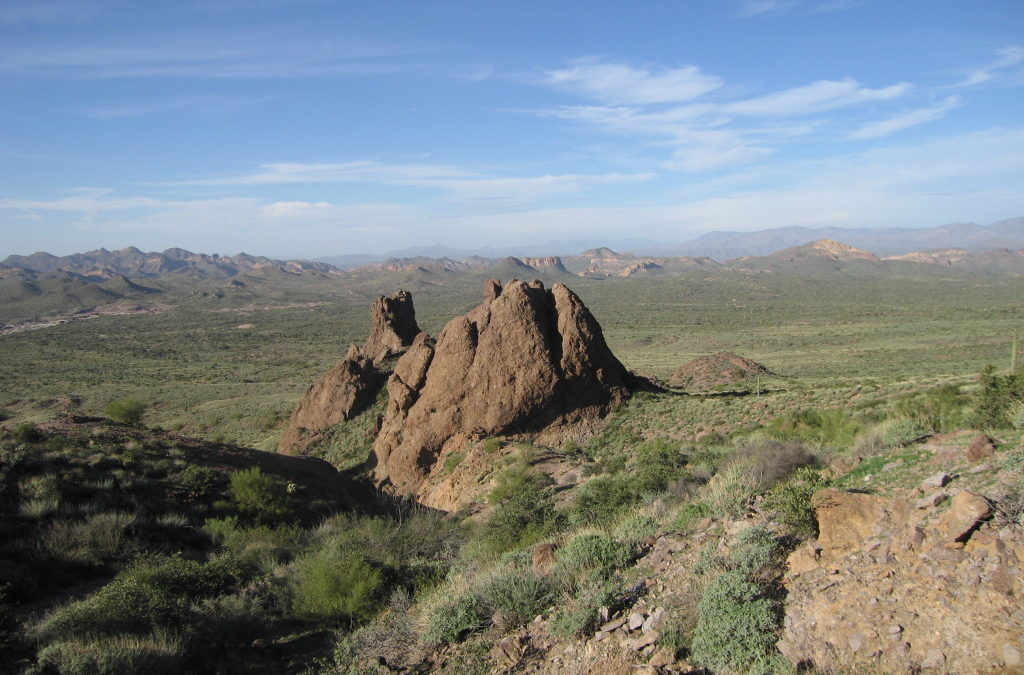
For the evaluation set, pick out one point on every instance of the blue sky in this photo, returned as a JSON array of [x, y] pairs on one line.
[[302, 128]]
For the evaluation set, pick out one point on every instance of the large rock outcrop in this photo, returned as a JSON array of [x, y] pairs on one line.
[[392, 325], [523, 360], [340, 394]]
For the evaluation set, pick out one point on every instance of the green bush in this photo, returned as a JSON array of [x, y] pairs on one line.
[[256, 493], [127, 410], [756, 548], [200, 481], [689, 513], [516, 596], [655, 464], [256, 544], [332, 585], [591, 557], [833, 426], [579, 616], [997, 394], [101, 538], [453, 461], [149, 594], [453, 619], [736, 627], [27, 433], [938, 410], [523, 518], [519, 476], [791, 500], [112, 655], [633, 530], [600, 500]]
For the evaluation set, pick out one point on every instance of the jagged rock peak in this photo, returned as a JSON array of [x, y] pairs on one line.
[[392, 325], [525, 360], [339, 395]]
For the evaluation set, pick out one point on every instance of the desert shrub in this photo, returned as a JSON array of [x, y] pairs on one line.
[[491, 445], [736, 626], [591, 556], [833, 426], [995, 398], [791, 500], [391, 638], [27, 433], [112, 655], [256, 493], [200, 480], [601, 499], [39, 507], [632, 530], [101, 538], [689, 513], [756, 548], [151, 593], [515, 596], [737, 622], [729, 491], [518, 476], [255, 544], [769, 461], [218, 529], [1016, 414], [937, 410], [227, 622], [127, 410], [655, 464], [523, 518], [335, 585], [579, 614], [1010, 507], [454, 618], [453, 461]]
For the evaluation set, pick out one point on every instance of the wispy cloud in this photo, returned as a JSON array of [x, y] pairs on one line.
[[619, 83], [222, 58], [816, 97], [906, 119], [1008, 60], [211, 104], [457, 182]]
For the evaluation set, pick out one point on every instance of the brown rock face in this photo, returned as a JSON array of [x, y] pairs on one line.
[[392, 325], [524, 359], [341, 393]]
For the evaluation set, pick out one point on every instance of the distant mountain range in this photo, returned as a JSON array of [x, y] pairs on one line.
[[101, 264], [882, 242]]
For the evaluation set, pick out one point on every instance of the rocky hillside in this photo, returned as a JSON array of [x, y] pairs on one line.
[[132, 263]]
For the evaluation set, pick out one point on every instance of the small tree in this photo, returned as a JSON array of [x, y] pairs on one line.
[[256, 493], [127, 410]]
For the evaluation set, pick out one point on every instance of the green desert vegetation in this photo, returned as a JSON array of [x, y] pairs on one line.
[[157, 542]]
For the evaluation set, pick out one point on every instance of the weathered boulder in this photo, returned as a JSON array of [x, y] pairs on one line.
[[523, 360], [964, 514], [847, 519], [340, 394], [392, 325]]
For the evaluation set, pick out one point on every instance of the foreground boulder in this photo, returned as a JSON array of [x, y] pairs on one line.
[[888, 588], [340, 394], [526, 359], [392, 326]]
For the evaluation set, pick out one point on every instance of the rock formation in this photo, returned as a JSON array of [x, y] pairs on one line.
[[352, 384], [524, 359], [551, 263], [392, 326], [339, 395], [715, 370]]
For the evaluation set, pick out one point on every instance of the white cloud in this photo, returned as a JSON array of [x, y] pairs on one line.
[[816, 97], [905, 120], [1009, 57], [456, 182], [618, 83]]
